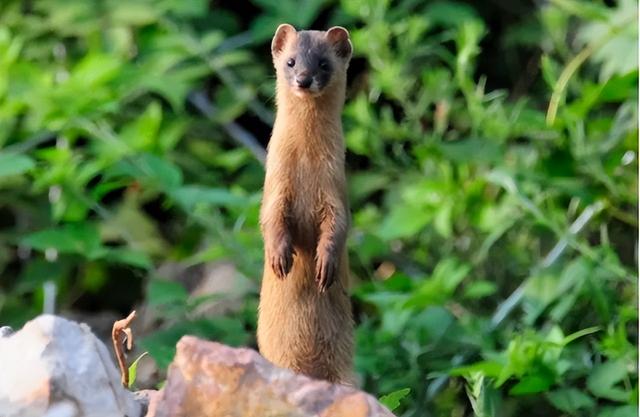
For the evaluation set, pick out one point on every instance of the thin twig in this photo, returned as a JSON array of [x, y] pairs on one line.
[[507, 306], [226, 76], [120, 333], [30, 143], [237, 132]]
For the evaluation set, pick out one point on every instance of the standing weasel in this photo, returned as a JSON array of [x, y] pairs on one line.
[[305, 321]]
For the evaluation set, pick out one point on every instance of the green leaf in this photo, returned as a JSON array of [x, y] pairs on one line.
[[486, 368], [14, 164], [212, 40], [450, 13], [361, 185], [443, 222], [141, 134], [621, 411], [79, 238], [192, 8], [404, 221], [550, 70], [619, 53], [191, 195], [570, 400], [440, 287], [467, 42], [39, 271], [532, 384], [133, 369], [162, 292], [160, 170], [130, 223], [149, 169], [134, 13], [94, 69], [480, 289], [128, 257], [472, 150], [450, 272], [585, 10], [300, 13], [392, 400], [604, 377], [618, 88]]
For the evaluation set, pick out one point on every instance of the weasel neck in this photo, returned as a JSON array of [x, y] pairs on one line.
[[313, 122]]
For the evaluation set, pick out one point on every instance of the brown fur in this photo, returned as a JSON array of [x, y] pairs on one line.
[[305, 321]]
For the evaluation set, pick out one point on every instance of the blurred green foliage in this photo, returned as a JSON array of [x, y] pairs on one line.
[[495, 220]]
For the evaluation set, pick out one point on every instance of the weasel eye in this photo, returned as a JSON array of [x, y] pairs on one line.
[[291, 62], [323, 64]]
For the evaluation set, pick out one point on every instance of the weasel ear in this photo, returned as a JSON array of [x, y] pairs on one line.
[[280, 38], [339, 38]]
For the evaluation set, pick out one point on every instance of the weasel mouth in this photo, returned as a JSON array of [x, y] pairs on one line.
[[305, 92]]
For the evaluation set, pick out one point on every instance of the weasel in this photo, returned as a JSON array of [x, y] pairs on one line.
[[304, 318]]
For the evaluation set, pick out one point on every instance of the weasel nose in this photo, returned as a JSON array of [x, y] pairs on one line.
[[304, 82]]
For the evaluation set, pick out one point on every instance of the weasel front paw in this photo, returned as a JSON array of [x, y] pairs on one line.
[[281, 258], [326, 269]]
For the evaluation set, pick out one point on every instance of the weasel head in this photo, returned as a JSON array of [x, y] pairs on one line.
[[311, 62]]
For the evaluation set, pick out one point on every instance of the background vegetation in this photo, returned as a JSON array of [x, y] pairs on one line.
[[492, 159]]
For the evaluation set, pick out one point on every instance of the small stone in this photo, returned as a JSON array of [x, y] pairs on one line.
[[6, 331], [147, 399]]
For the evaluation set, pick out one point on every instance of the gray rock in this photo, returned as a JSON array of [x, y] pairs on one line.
[[54, 367]]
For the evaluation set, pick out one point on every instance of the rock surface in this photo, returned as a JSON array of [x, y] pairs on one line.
[[56, 367], [207, 379]]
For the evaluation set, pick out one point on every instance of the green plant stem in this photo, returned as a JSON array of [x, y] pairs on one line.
[[237, 132], [563, 81], [561, 85], [32, 142]]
